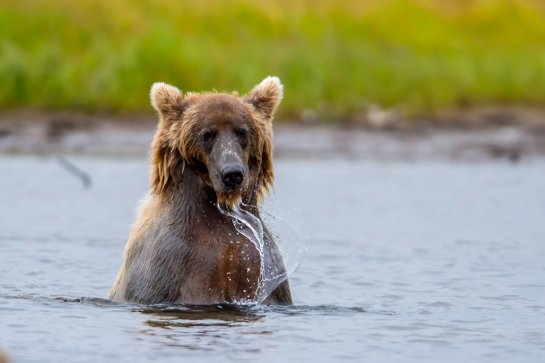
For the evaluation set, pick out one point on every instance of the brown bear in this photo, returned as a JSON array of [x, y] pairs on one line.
[[211, 157]]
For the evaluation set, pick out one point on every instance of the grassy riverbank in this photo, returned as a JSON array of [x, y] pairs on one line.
[[334, 57]]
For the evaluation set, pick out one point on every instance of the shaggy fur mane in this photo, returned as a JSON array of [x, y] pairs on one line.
[[175, 145]]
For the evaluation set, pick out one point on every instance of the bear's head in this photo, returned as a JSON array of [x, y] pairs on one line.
[[225, 139]]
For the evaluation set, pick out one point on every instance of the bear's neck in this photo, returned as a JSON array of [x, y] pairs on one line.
[[189, 200]]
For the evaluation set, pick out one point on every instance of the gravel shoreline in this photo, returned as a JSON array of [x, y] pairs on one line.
[[510, 139]]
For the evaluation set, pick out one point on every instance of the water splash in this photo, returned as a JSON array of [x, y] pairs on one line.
[[292, 242], [271, 268]]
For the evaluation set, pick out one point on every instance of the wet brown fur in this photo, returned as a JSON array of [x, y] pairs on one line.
[[182, 249]]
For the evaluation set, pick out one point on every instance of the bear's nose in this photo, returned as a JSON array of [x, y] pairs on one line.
[[232, 175]]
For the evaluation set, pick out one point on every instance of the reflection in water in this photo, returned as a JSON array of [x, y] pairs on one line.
[[199, 315], [198, 328], [234, 328], [231, 315]]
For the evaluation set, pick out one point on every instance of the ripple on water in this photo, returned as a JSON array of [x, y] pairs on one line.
[[202, 311]]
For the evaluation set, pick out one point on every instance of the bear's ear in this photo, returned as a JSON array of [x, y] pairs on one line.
[[167, 100], [266, 96]]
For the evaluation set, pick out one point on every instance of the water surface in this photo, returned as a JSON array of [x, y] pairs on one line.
[[408, 262]]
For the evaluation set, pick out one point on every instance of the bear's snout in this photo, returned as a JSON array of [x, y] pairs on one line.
[[232, 175]]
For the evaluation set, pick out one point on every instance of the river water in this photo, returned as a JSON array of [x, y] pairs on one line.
[[421, 261]]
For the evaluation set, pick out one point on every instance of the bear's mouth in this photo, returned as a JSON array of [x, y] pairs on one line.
[[220, 193], [229, 195], [229, 200]]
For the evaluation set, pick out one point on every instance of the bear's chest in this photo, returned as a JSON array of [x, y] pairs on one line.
[[225, 265]]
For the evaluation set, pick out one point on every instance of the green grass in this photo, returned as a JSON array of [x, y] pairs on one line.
[[334, 57]]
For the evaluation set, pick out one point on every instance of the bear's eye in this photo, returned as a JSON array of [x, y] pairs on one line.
[[241, 133], [208, 136]]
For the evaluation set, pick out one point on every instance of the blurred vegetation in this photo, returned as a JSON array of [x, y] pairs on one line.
[[334, 57]]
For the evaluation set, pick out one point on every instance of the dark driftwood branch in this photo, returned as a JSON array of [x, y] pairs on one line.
[[75, 171]]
